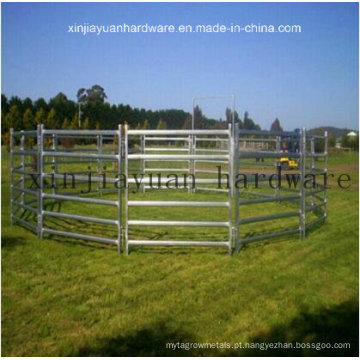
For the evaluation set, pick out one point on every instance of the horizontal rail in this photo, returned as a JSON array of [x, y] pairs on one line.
[[267, 217], [27, 191], [255, 193], [165, 181], [166, 138], [173, 160], [31, 133], [223, 204], [178, 132], [25, 152], [70, 154], [24, 206], [211, 189], [167, 149], [178, 243], [204, 171], [212, 161], [270, 199], [315, 206], [313, 222], [164, 169], [312, 192], [266, 154], [267, 236], [80, 236], [257, 140], [179, 223], [25, 223], [80, 199], [80, 218], [212, 139], [21, 172], [80, 132], [212, 150], [316, 154], [268, 133], [176, 157]]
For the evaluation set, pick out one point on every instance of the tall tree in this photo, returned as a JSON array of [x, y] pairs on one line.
[[12, 118], [161, 125], [28, 120], [40, 116], [249, 123], [199, 119], [146, 124], [275, 126], [95, 94], [50, 121]]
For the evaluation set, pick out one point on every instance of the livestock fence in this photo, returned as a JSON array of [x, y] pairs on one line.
[[223, 165]]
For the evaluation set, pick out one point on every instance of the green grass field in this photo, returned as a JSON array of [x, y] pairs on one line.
[[65, 297]]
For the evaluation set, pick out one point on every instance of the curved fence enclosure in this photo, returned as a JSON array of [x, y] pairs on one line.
[[209, 188]]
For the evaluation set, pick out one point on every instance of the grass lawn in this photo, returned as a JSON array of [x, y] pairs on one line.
[[65, 297]]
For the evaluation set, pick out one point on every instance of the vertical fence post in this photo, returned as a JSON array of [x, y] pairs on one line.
[[126, 165], [312, 150], [142, 161], [119, 202], [325, 170], [22, 164], [312, 162], [40, 147], [54, 162], [193, 163], [189, 161], [11, 175], [231, 184], [99, 143], [302, 219], [235, 198], [277, 149]]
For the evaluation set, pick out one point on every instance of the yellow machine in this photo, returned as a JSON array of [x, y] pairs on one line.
[[287, 163]]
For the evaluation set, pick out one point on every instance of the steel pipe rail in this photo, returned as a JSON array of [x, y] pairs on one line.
[[25, 207], [179, 223], [223, 204], [268, 133], [178, 132], [30, 133], [176, 157], [80, 217], [166, 169], [80, 199], [157, 138], [81, 155], [80, 236], [25, 152], [24, 190], [166, 149], [266, 154], [189, 154], [250, 239], [80, 132], [179, 243], [270, 199], [33, 227], [268, 217]]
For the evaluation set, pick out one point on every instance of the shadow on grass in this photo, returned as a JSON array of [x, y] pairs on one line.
[[146, 342], [335, 325], [339, 324], [9, 241]]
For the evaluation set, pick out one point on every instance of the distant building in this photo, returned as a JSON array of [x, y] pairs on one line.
[[351, 134]]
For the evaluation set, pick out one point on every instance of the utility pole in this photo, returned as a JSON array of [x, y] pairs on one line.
[[79, 120]]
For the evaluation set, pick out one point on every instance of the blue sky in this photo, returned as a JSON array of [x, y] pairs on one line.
[[305, 79]]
